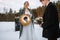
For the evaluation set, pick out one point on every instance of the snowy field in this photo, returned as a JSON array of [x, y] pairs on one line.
[[7, 31]]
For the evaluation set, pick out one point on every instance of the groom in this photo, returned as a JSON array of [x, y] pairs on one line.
[[50, 20]]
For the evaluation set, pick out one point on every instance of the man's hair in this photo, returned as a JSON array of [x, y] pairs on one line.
[[43, 0]]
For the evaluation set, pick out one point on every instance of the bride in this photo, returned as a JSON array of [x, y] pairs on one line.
[[27, 32]]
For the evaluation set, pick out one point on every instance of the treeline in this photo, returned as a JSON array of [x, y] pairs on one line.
[[38, 12]]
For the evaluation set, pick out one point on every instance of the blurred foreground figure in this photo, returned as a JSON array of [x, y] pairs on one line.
[[50, 20]]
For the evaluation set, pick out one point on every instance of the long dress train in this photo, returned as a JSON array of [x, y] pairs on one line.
[[28, 33]]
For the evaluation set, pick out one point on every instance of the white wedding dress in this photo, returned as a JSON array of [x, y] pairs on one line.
[[28, 32]]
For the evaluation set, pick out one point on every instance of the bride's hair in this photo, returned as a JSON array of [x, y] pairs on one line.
[[43, 0], [26, 2]]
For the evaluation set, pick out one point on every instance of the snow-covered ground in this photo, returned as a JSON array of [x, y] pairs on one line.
[[7, 31]]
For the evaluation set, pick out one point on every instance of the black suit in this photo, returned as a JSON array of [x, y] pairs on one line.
[[51, 23]]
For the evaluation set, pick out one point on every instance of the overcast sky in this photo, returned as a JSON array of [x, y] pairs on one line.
[[17, 4]]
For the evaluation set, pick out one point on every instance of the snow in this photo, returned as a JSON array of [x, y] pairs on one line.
[[7, 26], [9, 35], [38, 32], [7, 31]]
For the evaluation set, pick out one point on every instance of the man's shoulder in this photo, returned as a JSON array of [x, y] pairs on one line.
[[52, 5]]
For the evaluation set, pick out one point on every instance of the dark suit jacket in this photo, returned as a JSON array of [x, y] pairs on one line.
[[51, 23]]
